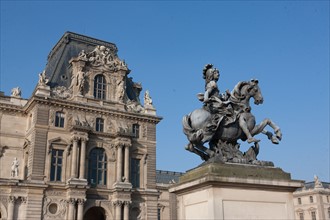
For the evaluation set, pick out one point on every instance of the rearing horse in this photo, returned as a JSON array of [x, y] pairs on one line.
[[200, 128]]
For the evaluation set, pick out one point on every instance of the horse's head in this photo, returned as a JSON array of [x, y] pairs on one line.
[[244, 90], [255, 92]]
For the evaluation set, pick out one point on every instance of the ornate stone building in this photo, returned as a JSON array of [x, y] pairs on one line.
[[312, 202], [82, 146]]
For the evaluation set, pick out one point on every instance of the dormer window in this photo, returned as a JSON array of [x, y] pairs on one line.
[[99, 124], [100, 87], [59, 119]]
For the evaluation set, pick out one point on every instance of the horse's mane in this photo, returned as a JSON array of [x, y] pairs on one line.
[[236, 93]]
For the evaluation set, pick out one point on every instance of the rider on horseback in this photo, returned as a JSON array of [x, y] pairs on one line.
[[222, 107]]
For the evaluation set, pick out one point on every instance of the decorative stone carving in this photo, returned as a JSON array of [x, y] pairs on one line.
[[147, 99], [226, 118], [112, 125], [317, 182], [78, 80], [61, 92], [12, 199], [120, 89], [16, 92], [103, 58], [43, 80], [134, 106], [142, 214], [54, 208], [14, 168]]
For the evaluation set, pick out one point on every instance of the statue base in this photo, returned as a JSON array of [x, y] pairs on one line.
[[235, 191]]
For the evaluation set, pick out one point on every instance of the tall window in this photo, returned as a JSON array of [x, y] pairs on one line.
[[135, 173], [299, 201], [59, 119], [313, 214], [99, 124], [99, 87], [136, 130], [158, 214], [311, 199], [97, 169], [329, 212], [301, 216], [56, 165]]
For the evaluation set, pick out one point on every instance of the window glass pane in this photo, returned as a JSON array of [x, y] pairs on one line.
[[135, 172], [56, 165], [97, 166], [99, 87]]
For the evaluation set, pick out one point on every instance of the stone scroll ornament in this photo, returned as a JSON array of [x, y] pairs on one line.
[[226, 118]]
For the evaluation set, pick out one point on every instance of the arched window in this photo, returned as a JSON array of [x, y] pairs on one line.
[[99, 124], [97, 169], [100, 87]]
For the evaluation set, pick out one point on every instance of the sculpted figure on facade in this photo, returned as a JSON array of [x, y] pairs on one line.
[[43, 80], [226, 118], [120, 91], [147, 99], [78, 80], [317, 182], [103, 57], [14, 168], [16, 92]]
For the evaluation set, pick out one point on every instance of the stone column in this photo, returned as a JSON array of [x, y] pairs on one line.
[[82, 158], [126, 170], [71, 210], [118, 205], [126, 210], [119, 162], [11, 206], [74, 158], [80, 214]]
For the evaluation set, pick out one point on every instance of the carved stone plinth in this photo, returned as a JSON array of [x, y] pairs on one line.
[[232, 191], [43, 91]]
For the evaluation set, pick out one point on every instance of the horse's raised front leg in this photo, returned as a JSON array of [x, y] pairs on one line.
[[260, 129], [243, 125]]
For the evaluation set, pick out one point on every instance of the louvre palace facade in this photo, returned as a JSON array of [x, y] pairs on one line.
[[83, 146]]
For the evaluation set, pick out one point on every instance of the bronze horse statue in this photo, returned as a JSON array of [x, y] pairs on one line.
[[223, 131]]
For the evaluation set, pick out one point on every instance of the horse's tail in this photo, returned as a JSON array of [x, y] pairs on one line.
[[192, 134]]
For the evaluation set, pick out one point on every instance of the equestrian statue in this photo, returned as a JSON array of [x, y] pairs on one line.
[[226, 118]]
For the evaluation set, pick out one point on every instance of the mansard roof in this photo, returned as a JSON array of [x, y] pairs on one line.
[[69, 46]]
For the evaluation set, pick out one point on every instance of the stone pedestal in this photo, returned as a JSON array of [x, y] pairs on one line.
[[233, 191]]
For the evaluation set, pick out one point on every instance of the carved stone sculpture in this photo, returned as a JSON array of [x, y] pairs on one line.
[[226, 118], [147, 99], [14, 168], [16, 92], [42, 79]]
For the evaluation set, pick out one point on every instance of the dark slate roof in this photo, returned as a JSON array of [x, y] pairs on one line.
[[311, 185], [58, 70], [70, 45], [163, 176]]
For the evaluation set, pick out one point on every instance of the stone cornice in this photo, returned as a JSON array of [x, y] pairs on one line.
[[8, 107], [68, 104]]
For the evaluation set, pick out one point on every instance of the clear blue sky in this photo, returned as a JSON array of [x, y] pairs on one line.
[[284, 44]]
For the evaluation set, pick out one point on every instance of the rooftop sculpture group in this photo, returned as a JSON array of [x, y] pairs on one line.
[[226, 118]]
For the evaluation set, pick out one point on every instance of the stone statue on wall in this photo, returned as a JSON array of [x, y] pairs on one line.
[[147, 99], [43, 80], [78, 80], [226, 118], [14, 168], [16, 92], [103, 57]]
